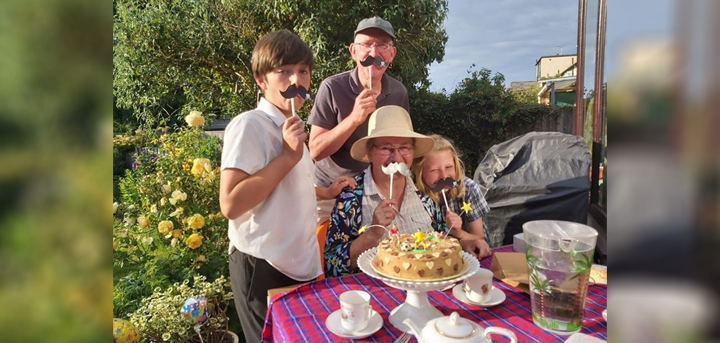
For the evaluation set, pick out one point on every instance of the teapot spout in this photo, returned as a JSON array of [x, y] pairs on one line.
[[414, 330]]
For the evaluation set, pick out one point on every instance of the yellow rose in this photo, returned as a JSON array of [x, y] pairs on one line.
[[194, 241], [166, 188], [165, 226], [178, 211], [195, 118], [200, 165], [197, 221], [176, 233], [142, 221]]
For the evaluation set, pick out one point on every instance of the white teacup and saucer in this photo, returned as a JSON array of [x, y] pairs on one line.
[[355, 319], [478, 290]]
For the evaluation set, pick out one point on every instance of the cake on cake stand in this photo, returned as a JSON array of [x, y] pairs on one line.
[[416, 305]]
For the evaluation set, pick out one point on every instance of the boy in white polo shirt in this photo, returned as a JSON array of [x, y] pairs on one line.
[[266, 185]]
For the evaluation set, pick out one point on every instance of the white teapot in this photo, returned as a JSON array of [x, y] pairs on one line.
[[454, 329]]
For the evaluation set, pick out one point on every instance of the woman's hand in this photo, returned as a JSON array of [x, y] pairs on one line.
[[384, 213]]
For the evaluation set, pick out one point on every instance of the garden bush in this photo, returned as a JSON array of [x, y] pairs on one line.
[[167, 223]]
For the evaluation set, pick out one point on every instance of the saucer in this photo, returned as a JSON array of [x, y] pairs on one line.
[[333, 324], [497, 296]]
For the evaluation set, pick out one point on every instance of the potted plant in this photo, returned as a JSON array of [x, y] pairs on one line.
[[159, 318]]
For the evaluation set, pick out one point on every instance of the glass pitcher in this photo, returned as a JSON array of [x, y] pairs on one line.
[[559, 256]]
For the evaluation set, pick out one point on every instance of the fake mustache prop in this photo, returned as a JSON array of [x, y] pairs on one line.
[[442, 183], [378, 61], [440, 187], [369, 61], [294, 90], [393, 168]]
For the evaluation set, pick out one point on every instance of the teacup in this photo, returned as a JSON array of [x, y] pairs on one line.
[[355, 310], [477, 287]]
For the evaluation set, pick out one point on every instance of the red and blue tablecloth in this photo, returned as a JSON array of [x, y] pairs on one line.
[[299, 315]]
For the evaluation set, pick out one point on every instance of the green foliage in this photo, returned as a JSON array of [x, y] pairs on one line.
[[528, 95], [479, 113], [173, 56], [167, 225], [158, 319]]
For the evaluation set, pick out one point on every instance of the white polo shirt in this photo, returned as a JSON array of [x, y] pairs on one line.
[[280, 229]]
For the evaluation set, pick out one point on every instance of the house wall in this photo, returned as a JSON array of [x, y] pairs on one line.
[[551, 66]]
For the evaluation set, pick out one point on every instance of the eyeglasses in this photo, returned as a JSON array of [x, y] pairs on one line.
[[386, 151], [380, 46]]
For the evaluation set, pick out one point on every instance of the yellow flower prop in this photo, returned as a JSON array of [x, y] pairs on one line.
[[194, 241], [197, 221], [466, 207], [195, 118], [165, 226]]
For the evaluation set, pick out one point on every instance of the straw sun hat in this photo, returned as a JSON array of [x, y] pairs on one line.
[[391, 121]]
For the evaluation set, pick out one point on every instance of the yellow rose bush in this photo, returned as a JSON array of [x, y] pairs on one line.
[[167, 224]]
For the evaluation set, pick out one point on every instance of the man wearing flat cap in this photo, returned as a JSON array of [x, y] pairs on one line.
[[339, 116]]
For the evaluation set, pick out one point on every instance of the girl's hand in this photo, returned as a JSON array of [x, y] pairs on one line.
[[453, 220]]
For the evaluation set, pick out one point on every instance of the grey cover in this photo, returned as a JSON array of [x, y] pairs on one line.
[[539, 175]]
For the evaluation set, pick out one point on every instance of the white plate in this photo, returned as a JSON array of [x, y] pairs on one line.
[[333, 324], [604, 314], [497, 296]]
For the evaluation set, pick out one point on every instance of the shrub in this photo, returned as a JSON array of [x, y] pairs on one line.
[[167, 223], [159, 319]]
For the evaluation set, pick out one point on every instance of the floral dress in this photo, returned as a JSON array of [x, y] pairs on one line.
[[346, 220]]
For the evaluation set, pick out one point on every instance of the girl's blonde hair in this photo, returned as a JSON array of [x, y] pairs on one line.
[[441, 143]]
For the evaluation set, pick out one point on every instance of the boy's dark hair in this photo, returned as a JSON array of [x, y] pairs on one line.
[[279, 48]]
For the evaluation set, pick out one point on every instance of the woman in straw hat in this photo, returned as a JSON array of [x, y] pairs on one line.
[[390, 139]]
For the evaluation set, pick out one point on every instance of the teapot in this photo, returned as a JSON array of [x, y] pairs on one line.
[[455, 329]]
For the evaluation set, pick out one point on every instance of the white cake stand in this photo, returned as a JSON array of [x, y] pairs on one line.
[[416, 305]]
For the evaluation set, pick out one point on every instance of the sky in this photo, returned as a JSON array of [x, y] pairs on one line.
[[506, 36]]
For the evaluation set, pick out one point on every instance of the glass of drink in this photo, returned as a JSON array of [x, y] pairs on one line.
[[559, 256]]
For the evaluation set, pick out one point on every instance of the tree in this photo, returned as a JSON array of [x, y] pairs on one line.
[[480, 112], [173, 56], [528, 94]]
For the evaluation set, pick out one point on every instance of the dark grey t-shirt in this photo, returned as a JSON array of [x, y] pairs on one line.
[[334, 102]]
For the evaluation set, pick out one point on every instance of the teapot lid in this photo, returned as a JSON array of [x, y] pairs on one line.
[[455, 327]]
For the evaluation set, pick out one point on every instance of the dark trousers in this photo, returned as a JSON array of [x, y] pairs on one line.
[[251, 278]]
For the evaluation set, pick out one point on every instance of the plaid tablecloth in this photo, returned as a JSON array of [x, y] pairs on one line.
[[299, 315]]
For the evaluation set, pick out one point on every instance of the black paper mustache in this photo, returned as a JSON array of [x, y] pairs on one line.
[[442, 183], [294, 90], [378, 61]]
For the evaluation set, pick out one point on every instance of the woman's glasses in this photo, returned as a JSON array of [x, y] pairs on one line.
[[382, 47], [386, 151]]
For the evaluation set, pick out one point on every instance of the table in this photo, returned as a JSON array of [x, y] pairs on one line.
[[299, 315]]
